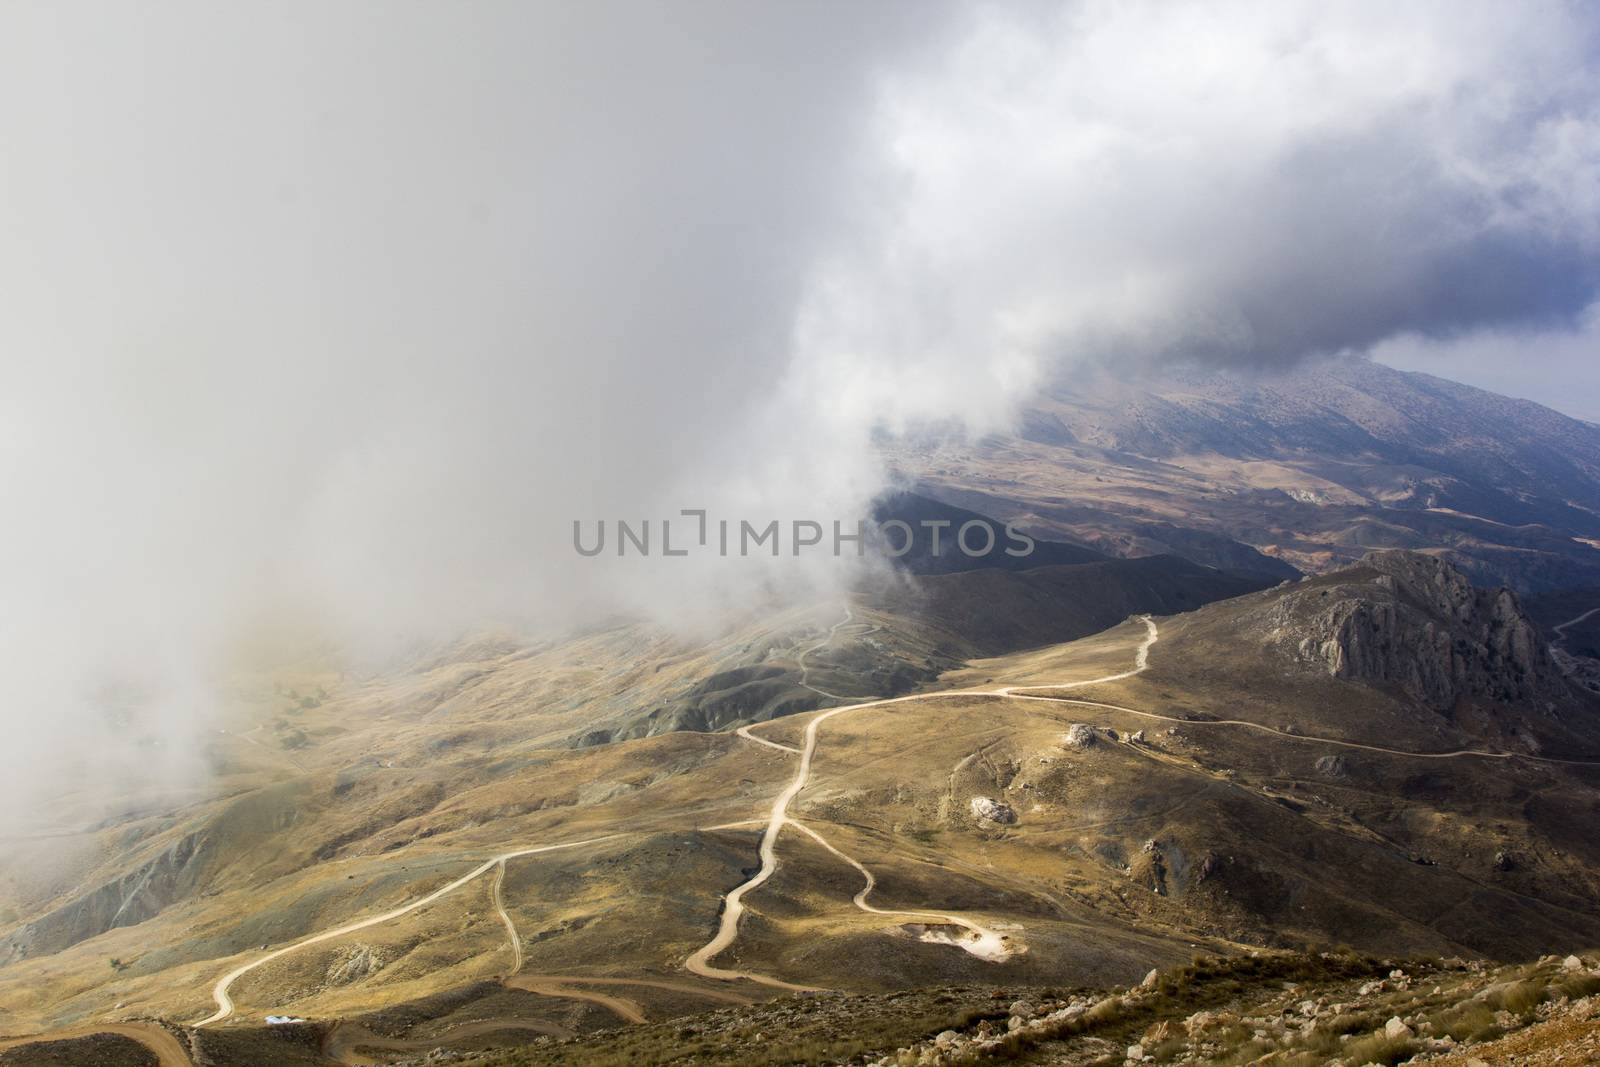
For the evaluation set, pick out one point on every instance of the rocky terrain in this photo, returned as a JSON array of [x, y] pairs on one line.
[[1297, 1010], [1438, 638], [433, 857], [1313, 466]]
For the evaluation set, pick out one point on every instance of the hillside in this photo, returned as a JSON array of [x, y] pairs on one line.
[[1251, 775], [1303, 1011], [1314, 466]]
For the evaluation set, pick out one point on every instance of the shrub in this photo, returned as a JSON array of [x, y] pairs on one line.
[[1520, 998], [1472, 1021], [1379, 1048]]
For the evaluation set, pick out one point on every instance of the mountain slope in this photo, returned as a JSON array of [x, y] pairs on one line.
[[1249, 775], [1314, 466]]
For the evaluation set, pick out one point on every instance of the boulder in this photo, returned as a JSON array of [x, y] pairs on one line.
[[1157, 1033], [993, 811], [1333, 765], [1080, 735]]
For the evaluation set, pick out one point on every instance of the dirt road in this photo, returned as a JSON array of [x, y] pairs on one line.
[[734, 907], [219, 992], [733, 904], [346, 1038], [498, 897], [167, 1049]]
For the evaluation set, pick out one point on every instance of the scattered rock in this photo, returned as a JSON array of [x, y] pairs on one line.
[[361, 961], [1161, 1031], [1572, 963], [1150, 979], [993, 811], [1395, 1029], [1079, 735], [1333, 765]]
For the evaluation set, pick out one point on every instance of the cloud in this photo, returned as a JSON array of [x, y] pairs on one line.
[[1236, 182], [340, 316], [343, 314]]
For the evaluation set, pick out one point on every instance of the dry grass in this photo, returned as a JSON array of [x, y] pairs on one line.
[[1379, 1048]]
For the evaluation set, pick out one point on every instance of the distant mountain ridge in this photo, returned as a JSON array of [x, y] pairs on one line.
[[1314, 466], [1514, 461]]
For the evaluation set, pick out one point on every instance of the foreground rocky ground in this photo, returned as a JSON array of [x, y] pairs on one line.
[[1284, 1010], [1289, 1010]]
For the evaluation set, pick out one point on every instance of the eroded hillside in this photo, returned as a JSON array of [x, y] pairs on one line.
[[1252, 775]]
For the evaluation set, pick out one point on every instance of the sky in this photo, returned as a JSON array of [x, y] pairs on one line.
[[337, 316], [1558, 367]]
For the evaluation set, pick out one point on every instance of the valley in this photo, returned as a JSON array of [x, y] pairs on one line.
[[1073, 813]]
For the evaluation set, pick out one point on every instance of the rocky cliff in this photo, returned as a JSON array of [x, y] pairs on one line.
[[1413, 621]]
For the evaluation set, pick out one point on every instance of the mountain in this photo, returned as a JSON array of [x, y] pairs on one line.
[[991, 612], [1313, 466], [1294, 661], [932, 528], [426, 858]]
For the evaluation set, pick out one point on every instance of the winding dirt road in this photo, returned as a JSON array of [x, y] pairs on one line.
[[800, 660], [498, 897], [569, 987], [805, 683], [1561, 630], [627, 1010], [346, 1038], [733, 903], [985, 944], [219, 992], [167, 1049], [1459, 753], [985, 940]]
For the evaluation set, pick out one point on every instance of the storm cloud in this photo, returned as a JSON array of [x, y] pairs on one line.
[[339, 316]]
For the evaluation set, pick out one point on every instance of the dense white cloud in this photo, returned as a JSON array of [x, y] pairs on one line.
[[1239, 181], [346, 312], [343, 314]]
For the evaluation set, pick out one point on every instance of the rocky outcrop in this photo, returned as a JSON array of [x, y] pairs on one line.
[[360, 961], [1079, 735], [1418, 624], [171, 875], [993, 811]]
